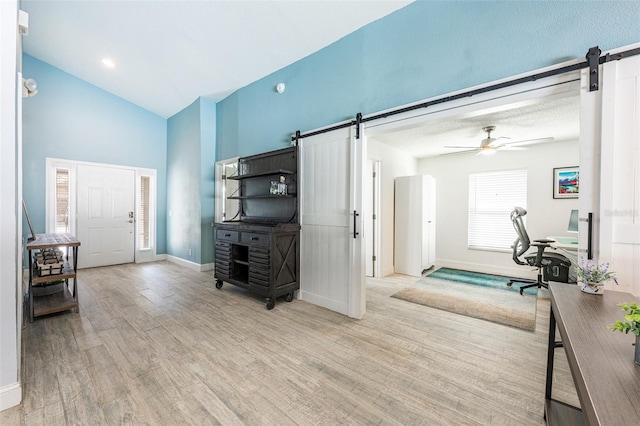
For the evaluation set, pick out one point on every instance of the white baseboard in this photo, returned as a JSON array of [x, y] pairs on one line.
[[10, 396], [155, 258], [387, 271], [325, 302], [207, 267], [188, 264]]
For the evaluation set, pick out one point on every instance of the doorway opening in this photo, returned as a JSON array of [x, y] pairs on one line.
[[546, 122]]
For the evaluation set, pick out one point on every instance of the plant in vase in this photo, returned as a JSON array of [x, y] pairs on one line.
[[631, 324], [593, 276]]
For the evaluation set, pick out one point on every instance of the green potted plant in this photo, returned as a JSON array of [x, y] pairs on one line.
[[631, 324], [593, 276]]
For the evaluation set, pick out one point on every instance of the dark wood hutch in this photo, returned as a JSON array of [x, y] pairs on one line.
[[259, 250]]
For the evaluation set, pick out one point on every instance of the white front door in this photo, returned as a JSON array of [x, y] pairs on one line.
[[106, 199], [331, 254], [620, 177]]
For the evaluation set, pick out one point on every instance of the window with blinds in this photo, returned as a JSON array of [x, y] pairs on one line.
[[62, 201], [492, 197], [143, 213]]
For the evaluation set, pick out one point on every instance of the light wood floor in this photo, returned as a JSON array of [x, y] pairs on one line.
[[158, 344]]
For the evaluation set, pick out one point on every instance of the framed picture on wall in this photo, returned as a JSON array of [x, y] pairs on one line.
[[566, 182]]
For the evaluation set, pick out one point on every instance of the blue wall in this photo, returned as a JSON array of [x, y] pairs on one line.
[[207, 176], [183, 183], [190, 187], [426, 49], [74, 120]]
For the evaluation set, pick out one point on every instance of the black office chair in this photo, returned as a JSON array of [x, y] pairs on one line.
[[540, 259]]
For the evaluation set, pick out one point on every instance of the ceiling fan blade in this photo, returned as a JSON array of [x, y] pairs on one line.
[[512, 148], [536, 140], [460, 152], [467, 147]]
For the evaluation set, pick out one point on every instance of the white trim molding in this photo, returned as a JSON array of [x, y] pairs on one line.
[[191, 265], [10, 396]]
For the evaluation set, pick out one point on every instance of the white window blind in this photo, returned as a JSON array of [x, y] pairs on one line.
[[62, 201], [143, 213], [492, 197]]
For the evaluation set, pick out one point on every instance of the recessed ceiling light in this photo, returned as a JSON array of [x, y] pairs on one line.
[[108, 63]]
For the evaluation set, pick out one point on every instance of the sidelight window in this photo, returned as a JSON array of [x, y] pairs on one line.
[[62, 201]]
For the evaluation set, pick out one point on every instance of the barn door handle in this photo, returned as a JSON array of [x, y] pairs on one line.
[[355, 215], [589, 221], [590, 236]]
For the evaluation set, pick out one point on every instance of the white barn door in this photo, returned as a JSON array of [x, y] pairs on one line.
[[106, 199], [620, 173], [332, 260]]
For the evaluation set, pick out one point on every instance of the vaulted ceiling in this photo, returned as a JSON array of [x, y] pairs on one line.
[[168, 53]]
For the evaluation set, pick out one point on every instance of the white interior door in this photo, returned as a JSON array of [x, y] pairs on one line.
[[106, 199], [331, 255], [620, 177]]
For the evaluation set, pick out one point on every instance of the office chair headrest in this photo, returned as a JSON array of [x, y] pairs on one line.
[[518, 212]]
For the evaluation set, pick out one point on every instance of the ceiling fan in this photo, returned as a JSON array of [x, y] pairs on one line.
[[490, 145]]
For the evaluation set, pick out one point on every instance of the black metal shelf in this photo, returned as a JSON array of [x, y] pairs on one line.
[[262, 174], [256, 197]]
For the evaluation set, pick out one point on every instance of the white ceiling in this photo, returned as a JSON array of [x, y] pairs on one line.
[[168, 53], [557, 118]]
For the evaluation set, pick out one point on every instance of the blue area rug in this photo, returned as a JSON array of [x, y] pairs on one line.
[[475, 278]]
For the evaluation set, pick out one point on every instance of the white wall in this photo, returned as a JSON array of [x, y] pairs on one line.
[[546, 215], [10, 390], [393, 163]]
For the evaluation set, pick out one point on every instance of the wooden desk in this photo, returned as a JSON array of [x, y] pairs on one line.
[[560, 242], [68, 297], [601, 361]]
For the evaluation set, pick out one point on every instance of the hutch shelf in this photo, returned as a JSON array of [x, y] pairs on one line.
[[260, 251]]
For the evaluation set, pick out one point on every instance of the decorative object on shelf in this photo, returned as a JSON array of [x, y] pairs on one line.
[[282, 186], [593, 276], [631, 324], [566, 182]]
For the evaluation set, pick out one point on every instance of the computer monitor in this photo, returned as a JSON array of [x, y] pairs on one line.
[[573, 221]]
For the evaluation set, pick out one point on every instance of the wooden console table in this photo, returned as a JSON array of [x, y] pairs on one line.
[[607, 380], [67, 298]]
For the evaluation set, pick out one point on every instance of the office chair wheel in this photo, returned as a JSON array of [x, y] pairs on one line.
[[509, 284], [219, 284]]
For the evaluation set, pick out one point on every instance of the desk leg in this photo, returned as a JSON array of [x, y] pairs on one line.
[[550, 354], [30, 289], [75, 278]]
